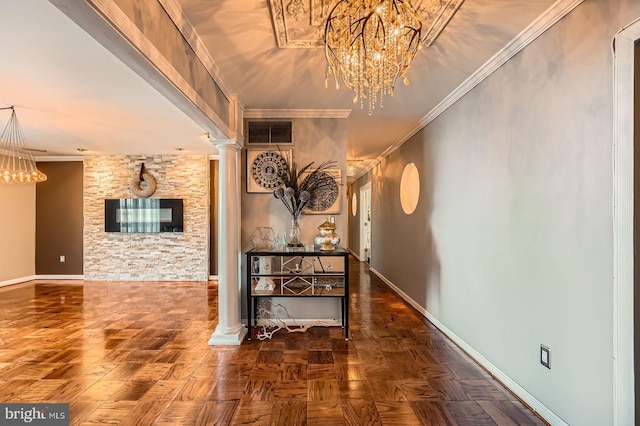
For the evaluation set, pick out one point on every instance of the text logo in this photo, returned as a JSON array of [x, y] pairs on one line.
[[34, 414]]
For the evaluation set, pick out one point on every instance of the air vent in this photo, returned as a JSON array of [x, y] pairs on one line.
[[269, 133]]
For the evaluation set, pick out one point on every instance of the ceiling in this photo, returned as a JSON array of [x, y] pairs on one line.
[[70, 92]]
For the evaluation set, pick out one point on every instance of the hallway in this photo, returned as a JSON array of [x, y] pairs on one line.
[[136, 353]]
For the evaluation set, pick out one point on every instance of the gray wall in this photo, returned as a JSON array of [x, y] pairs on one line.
[[511, 245]]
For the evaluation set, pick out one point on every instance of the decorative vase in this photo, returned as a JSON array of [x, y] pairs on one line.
[[327, 239], [294, 237]]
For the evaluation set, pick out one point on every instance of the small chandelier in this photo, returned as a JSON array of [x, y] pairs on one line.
[[352, 167], [370, 43], [16, 163]]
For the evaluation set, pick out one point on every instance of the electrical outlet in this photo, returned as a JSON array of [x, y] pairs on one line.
[[545, 356], [62, 259]]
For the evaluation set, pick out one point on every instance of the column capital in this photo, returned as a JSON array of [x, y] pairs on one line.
[[227, 146]]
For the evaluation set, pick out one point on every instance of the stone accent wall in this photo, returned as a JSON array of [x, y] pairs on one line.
[[147, 257]]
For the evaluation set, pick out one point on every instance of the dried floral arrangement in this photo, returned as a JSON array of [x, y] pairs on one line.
[[301, 187]]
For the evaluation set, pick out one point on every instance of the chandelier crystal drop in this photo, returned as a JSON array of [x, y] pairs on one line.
[[16, 163], [369, 44]]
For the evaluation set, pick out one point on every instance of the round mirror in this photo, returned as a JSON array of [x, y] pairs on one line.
[[409, 188], [354, 204]]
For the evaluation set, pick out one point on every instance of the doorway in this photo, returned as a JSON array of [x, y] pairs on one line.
[[365, 223]]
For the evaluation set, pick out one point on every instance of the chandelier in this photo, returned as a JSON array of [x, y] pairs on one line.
[[369, 44], [16, 163]]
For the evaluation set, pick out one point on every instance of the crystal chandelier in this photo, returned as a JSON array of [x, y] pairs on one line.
[[16, 163], [370, 43]]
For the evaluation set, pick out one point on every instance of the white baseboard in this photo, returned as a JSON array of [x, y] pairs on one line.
[[17, 280], [353, 253], [507, 381], [213, 278], [59, 277]]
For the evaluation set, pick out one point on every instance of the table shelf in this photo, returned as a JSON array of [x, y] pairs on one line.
[[297, 274]]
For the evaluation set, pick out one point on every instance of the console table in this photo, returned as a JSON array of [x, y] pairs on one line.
[[296, 272]]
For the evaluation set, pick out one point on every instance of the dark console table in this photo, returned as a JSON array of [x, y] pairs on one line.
[[296, 272]]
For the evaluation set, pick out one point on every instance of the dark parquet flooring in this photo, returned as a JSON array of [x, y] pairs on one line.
[[136, 353]]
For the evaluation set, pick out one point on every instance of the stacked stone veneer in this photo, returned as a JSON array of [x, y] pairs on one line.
[[152, 256]]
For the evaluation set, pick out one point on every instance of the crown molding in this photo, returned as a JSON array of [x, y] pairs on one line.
[[51, 158], [549, 17], [297, 113]]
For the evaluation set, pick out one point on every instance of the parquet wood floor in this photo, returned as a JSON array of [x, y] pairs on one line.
[[134, 353]]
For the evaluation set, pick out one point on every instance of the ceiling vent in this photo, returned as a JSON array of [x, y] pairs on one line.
[[269, 133]]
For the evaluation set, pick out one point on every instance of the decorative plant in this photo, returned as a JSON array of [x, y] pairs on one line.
[[300, 187]]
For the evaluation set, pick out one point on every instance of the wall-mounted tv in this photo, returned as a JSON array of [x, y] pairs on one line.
[[135, 215]]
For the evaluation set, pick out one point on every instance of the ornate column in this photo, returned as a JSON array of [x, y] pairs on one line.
[[230, 331]]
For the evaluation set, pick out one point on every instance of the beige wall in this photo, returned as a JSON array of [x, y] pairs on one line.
[[315, 140], [511, 245], [18, 231]]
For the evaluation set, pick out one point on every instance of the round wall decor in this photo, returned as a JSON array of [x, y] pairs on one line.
[[323, 198], [409, 188], [267, 168], [143, 185], [354, 204]]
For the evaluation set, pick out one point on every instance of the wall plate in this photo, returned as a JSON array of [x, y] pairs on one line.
[[545, 356]]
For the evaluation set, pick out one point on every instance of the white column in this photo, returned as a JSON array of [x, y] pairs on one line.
[[230, 331]]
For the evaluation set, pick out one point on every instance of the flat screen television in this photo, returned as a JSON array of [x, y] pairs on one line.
[[143, 215]]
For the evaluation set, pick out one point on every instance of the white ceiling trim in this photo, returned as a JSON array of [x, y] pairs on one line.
[[189, 33], [553, 14], [297, 113], [51, 158], [446, 13]]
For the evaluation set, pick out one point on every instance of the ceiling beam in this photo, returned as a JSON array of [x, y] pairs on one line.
[[111, 27]]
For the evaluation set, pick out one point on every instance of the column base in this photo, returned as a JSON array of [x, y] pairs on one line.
[[219, 338]]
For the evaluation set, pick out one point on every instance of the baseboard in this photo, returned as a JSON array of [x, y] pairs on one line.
[[213, 278], [59, 277], [507, 381], [17, 280], [353, 253]]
